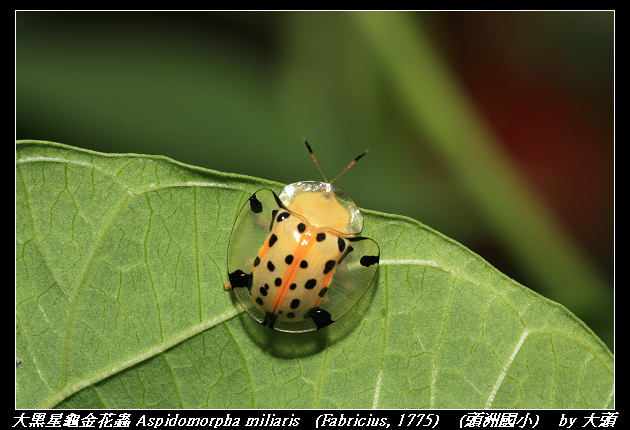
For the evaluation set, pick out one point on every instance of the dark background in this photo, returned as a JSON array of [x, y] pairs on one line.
[[236, 92]]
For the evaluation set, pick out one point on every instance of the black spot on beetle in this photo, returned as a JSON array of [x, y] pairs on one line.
[[259, 301], [342, 244], [321, 237], [272, 239], [273, 219], [270, 319], [278, 201], [239, 279], [368, 260], [330, 264], [293, 286], [282, 216], [303, 264], [289, 259], [263, 291], [256, 261], [310, 284], [301, 227], [320, 317], [348, 251], [270, 266], [323, 292], [255, 204], [295, 303], [357, 239], [290, 315], [278, 282]]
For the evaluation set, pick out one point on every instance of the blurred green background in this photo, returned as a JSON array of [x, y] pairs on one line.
[[494, 128]]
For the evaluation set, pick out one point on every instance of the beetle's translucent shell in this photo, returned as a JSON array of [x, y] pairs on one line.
[[323, 205]]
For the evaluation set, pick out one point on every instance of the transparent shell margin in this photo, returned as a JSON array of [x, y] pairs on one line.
[[289, 193]]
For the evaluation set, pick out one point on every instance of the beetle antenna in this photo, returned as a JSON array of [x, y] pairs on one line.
[[315, 160], [352, 163]]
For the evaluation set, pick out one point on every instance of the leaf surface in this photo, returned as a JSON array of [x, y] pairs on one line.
[[120, 262]]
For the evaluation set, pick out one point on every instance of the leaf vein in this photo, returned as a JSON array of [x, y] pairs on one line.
[[507, 365], [151, 352]]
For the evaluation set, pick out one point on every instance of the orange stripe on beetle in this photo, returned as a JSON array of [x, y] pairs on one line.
[[305, 243]]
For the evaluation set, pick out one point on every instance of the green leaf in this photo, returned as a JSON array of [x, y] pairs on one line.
[[120, 262]]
